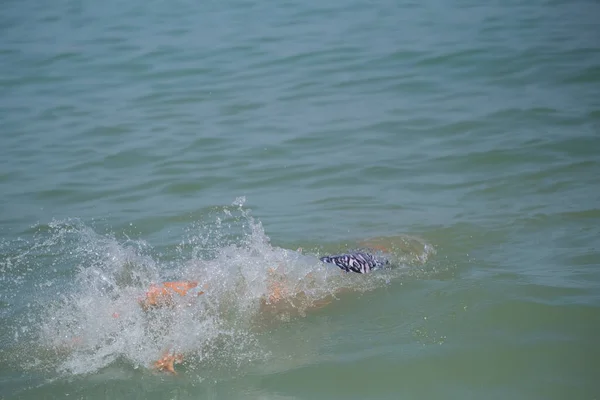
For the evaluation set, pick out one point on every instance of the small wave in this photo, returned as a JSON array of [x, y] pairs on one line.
[[84, 314]]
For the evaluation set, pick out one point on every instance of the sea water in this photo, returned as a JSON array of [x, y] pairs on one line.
[[150, 141]]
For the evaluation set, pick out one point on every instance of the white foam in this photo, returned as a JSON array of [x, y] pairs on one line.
[[95, 320]]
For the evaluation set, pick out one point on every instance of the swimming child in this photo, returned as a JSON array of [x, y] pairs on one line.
[[360, 262]]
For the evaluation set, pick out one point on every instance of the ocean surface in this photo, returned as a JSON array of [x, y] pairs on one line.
[[146, 141]]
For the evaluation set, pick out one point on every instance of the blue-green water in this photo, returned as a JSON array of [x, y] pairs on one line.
[[143, 141]]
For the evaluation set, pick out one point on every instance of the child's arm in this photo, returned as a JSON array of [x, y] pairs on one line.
[[161, 295]]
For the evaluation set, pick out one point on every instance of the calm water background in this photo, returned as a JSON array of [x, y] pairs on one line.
[[473, 126]]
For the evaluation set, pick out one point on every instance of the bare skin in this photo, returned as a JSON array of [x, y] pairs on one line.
[[162, 295], [279, 298], [167, 361], [159, 296]]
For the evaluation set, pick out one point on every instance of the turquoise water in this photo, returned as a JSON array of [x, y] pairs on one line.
[[145, 141]]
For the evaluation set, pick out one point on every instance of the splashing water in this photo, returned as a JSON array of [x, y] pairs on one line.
[[86, 315]]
